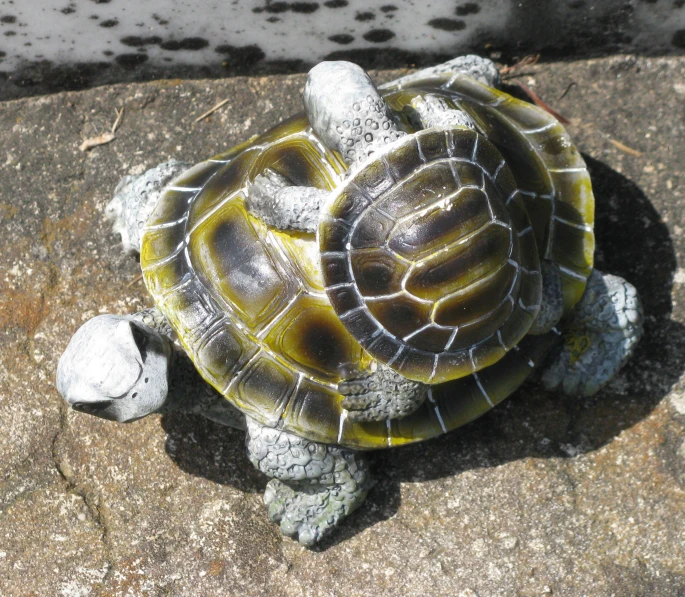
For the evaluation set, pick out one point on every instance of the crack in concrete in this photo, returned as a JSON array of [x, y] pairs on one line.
[[74, 488]]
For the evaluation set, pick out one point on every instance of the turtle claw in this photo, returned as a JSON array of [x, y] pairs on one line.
[[308, 514], [385, 394]]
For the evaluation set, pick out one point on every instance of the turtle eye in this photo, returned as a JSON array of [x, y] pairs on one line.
[[141, 340], [92, 408]]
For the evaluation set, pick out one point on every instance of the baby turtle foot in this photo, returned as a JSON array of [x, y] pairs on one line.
[[433, 111], [313, 487], [602, 336], [385, 394], [273, 198]]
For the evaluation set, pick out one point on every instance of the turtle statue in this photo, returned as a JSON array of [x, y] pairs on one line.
[[379, 270]]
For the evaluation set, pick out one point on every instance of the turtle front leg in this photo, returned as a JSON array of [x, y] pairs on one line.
[[313, 486], [381, 395], [134, 199], [602, 336], [278, 203]]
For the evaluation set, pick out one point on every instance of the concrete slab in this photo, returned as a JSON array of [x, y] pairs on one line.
[[543, 496]]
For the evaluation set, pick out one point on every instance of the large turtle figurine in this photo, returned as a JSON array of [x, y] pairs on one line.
[[382, 269]]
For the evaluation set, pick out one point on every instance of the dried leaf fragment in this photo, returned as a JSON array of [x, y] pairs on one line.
[[530, 60], [96, 141]]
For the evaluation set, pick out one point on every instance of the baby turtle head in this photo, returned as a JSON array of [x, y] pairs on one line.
[[115, 368], [346, 111]]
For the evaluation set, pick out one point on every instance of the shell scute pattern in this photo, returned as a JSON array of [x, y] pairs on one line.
[[421, 247], [546, 165], [257, 361]]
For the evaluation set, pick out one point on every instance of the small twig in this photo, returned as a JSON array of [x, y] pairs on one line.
[[96, 141], [525, 61], [117, 122], [625, 148], [211, 111], [543, 105], [138, 278], [563, 95], [618, 145]]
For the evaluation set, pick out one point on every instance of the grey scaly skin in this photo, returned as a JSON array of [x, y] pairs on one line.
[[134, 199], [481, 69], [274, 199], [123, 368], [433, 111], [313, 485], [552, 304], [606, 327]]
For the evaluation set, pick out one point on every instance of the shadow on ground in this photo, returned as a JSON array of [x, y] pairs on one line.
[[633, 242]]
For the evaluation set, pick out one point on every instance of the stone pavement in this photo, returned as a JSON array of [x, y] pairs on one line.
[[543, 496]]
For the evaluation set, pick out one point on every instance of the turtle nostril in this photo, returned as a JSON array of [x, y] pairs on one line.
[[134, 394]]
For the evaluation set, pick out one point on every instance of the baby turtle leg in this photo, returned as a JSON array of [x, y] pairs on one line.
[[433, 111], [273, 198], [384, 394], [602, 336], [481, 69], [313, 486], [552, 305], [134, 199]]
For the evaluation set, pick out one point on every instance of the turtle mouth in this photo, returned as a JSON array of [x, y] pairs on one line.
[[92, 408]]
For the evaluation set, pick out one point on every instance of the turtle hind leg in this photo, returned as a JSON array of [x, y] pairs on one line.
[[552, 304], [605, 329], [313, 486], [273, 199]]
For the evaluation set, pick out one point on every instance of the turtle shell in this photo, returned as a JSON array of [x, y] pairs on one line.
[[248, 302], [429, 257], [550, 173]]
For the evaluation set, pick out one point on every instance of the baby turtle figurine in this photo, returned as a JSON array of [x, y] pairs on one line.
[[379, 270]]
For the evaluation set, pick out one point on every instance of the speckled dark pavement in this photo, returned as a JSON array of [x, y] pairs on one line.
[[543, 496]]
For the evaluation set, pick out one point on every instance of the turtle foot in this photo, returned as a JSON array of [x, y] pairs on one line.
[[313, 485], [602, 336], [385, 394], [308, 513]]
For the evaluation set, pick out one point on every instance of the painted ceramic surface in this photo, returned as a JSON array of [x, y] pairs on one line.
[[249, 303]]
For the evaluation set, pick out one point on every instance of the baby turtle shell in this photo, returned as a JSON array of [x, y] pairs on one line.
[[550, 173], [428, 255], [248, 303]]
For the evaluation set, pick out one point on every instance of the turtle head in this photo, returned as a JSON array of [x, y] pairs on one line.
[[115, 368]]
